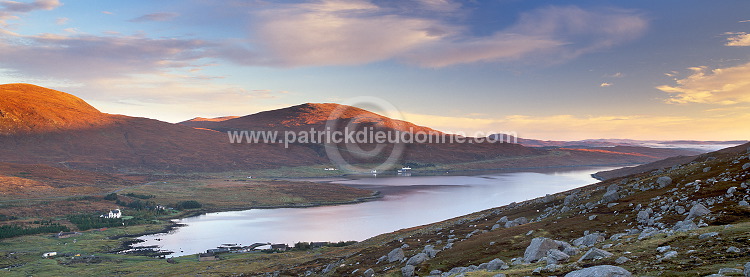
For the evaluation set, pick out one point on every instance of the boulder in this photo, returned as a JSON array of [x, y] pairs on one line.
[[745, 166], [430, 251], [495, 227], [747, 265], [395, 255], [369, 273], [664, 181], [555, 256], [589, 240], [610, 196], [644, 215], [593, 254], [417, 259], [502, 220], [684, 226], [538, 248], [496, 264], [570, 199], [708, 235], [622, 260], [600, 271], [407, 271], [697, 210], [733, 249]]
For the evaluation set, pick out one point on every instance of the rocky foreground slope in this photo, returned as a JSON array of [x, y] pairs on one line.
[[688, 220]]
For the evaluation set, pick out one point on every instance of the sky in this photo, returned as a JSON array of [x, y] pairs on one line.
[[558, 70]]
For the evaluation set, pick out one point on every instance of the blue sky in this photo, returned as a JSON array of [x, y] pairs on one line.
[[542, 69]]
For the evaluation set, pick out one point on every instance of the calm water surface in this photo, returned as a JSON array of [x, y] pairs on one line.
[[408, 202]]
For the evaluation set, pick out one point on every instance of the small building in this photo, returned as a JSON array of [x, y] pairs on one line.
[[202, 257], [116, 213], [62, 235], [318, 244], [49, 254], [279, 247]]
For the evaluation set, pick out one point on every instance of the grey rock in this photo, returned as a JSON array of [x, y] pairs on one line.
[[617, 236], [747, 265], [706, 169], [743, 203], [664, 181], [502, 220], [684, 226], [663, 249], [745, 166], [499, 275], [679, 209], [382, 259], [698, 210], [592, 217], [555, 256], [733, 249], [622, 260], [570, 199], [731, 190], [417, 259], [727, 270], [648, 232], [329, 268], [644, 215], [369, 273], [407, 271], [589, 240], [669, 255], [495, 227], [593, 254], [496, 264], [430, 251], [708, 235], [538, 248], [395, 255], [600, 271], [610, 196]]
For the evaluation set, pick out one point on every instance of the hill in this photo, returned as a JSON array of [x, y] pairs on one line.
[[55, 128], [44, 126]]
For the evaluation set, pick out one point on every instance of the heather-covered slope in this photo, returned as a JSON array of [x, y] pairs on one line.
[[56, 128]]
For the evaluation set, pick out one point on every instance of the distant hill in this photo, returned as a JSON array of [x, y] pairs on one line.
[[304, 117], [44, 126]]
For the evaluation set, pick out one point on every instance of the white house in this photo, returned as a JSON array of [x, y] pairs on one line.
[[113, 214], [49, 254]]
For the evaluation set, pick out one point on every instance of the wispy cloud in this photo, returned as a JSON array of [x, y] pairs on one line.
[[738, 39], [62, 20], [83, 57], [719, 86], [334, 32], [11, 9], [605, 84], [162, 16]]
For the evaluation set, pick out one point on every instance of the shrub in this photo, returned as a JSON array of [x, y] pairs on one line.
[[189, 204]]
